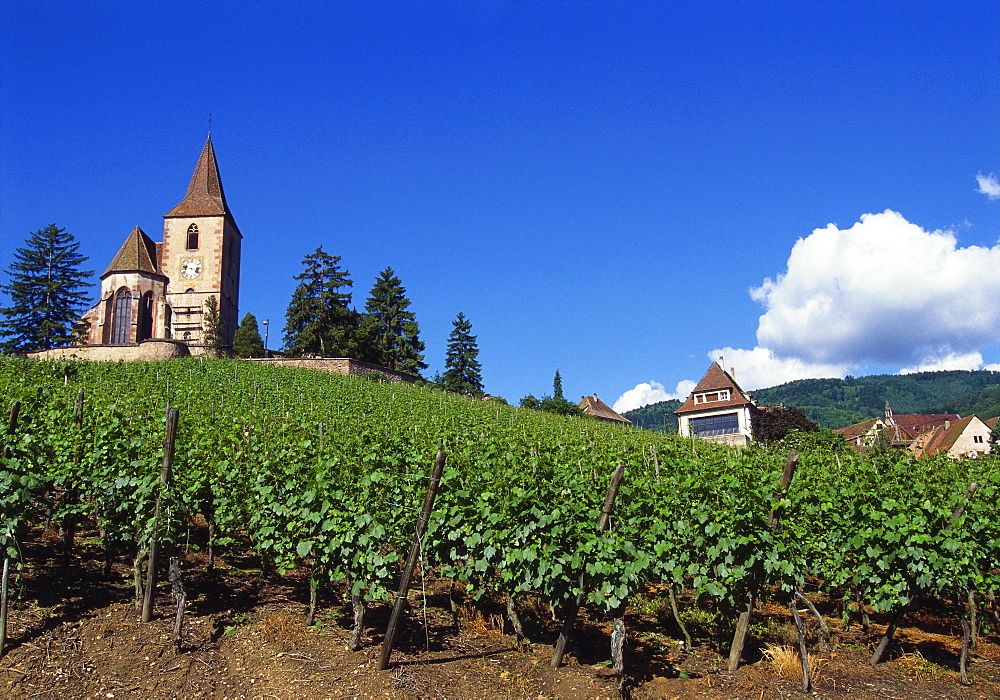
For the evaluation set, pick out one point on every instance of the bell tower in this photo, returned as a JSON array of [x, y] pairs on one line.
[[201, 255]]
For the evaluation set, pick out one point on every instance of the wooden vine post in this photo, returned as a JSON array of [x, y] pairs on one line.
[[4, 578], [411, 560], [165, 478], [72, 495], [574, 606], [773, 520], [15, 410]]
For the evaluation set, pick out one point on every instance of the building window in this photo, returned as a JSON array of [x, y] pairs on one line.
[[722, 395], [724, 424], [192, 237], [145, 328], [977, 438], [121, 319]]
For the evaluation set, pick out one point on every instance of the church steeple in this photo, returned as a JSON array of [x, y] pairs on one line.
[[204, 194]]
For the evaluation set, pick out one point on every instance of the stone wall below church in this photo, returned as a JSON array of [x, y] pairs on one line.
[[146, 350], [340, 365]]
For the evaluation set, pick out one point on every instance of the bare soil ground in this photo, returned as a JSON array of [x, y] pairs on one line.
[[74, 633]]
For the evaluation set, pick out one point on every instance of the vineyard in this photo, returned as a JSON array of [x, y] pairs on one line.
[[322, 478]]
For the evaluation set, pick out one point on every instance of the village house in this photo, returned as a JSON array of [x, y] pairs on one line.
[[966, 437], [894, 430], [923, 434], [596, 408], [717, 410]]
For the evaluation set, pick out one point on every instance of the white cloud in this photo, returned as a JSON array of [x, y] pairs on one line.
[[969, 360], [882, 292], [651, 392], [992, 368], [760, 367], [988, 185]]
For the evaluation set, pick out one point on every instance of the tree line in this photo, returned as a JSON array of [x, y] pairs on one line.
[[45, 279]]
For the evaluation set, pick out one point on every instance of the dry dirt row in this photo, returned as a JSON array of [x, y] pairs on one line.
[[75, 634]]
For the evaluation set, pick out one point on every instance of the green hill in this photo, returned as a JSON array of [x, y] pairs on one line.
[[834, 403]]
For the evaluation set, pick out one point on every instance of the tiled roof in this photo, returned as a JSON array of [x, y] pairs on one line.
[[910, 426], [137, 254], [941, 438], [917, 423], [593, 406], [716, 378], [853, 432], [204, 194]]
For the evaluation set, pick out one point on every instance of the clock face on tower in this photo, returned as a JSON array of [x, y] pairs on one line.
[[191, 268]]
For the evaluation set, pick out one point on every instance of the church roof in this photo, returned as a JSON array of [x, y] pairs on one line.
[[137, 254], [593, 406], [716, 378], [204, 194]]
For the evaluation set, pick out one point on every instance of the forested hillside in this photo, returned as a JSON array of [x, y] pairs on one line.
[[834, 403], [656, 416]]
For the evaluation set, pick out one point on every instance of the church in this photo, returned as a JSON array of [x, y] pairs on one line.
[[157, 291]]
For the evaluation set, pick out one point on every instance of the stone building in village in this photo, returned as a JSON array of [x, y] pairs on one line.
[[157, 291]]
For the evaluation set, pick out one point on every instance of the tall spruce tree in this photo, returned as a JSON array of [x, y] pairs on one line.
[[557, 390], [246, 340], [461, 368], [45, 303], [389, 329], [319, 320]]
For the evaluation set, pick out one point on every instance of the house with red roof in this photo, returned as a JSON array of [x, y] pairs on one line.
[[895, 429], [967, 437], [596, 408], [717, 410]]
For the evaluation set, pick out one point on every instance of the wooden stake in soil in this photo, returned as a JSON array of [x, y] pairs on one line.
[[824, 637], [15, 409], [963, 662], [411, 561], [574, 605], [178, 592], [618, 648], [689, 645], [803, 652], [4, 577], [165, 475], [67, 528], [773, 520]]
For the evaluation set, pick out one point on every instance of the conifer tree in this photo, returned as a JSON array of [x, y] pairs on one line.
[[246, 340], [461, 368], [214, 329], [318, 319], [557, 390], [390, 330], [45, 303]]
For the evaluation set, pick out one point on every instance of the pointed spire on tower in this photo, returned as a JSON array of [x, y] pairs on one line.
[[204, 194]]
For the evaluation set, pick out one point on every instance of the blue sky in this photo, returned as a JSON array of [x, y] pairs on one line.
[[620, 191]]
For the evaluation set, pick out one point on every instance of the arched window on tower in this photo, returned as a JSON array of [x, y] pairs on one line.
[[145, 327], [121, 318], [192, 237]]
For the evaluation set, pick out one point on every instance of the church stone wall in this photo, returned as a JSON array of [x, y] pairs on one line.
[[339, 365], [146, 350]]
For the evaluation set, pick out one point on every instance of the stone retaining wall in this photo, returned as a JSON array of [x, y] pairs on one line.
[[340, 365], [157, 349]]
